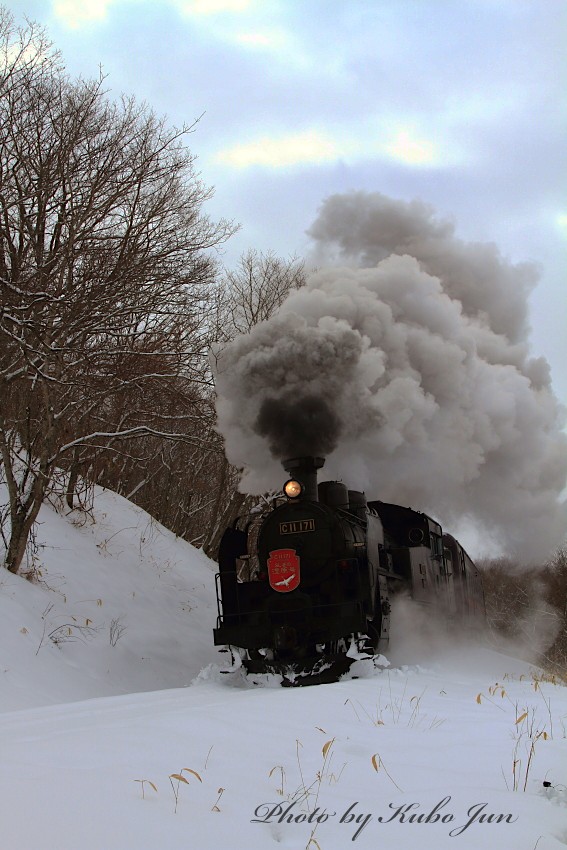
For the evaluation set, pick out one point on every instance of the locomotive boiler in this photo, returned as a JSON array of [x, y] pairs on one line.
[[304, 586]]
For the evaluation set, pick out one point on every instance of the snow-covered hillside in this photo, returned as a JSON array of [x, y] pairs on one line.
[[434, 751], [121, 605]]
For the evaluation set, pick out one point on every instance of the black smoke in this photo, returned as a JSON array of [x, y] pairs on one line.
[[296, 426]]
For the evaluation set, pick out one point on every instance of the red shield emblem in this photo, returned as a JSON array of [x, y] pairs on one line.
[[283, 570]]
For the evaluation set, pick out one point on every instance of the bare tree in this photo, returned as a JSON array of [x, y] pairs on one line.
[[528, 606], [555, 580], [245, 296], [255, 289], [105, 269]]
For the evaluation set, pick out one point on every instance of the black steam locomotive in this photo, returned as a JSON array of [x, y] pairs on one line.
[[305, 586]]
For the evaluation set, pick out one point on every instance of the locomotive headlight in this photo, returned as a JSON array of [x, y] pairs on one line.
[[293, 489]]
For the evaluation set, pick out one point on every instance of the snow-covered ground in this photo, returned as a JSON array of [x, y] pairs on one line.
[[109, 685]]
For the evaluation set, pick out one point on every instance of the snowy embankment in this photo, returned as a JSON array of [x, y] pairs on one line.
[[121, 605], [426, 753]]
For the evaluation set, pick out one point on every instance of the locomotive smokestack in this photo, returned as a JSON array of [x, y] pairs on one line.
[[304, 469]]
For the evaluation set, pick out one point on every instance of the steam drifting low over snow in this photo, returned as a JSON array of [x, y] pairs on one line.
[[408, 367]]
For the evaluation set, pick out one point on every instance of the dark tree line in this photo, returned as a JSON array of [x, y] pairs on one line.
[[528, 607]]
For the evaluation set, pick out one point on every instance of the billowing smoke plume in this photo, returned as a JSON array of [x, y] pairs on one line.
[[408, 367]]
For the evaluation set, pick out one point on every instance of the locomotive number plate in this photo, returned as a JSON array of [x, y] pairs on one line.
[[297, 526]]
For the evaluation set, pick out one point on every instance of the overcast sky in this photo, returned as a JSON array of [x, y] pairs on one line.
[[460, 103]]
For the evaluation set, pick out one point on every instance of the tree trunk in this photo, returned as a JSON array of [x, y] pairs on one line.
[[72, 482], [21, 524], [239, 504]]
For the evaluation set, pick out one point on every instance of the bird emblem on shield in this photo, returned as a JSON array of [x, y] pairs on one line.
[[283, 570]]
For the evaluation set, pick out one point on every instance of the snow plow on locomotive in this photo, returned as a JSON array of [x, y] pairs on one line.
[[304, 587]]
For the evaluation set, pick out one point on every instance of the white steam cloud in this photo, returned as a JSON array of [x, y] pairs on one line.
[[408, 367]]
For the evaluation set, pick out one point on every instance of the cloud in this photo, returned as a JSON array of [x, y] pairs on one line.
[[75, 13], [381, 140], [213, 7], [310, 147], [263, 40], [406, 147]]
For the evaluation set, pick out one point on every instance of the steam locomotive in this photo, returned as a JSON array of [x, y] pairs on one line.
[[305, 586]]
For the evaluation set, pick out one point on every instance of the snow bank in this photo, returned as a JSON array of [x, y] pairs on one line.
[[121, 605]]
